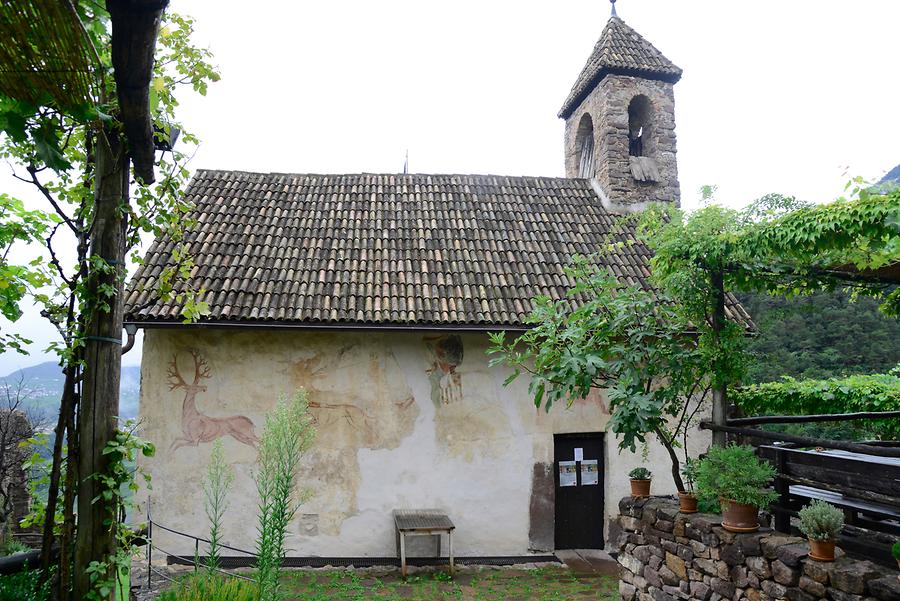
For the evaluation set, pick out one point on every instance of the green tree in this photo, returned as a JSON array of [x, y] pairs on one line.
[[823, 335], [631, 342]]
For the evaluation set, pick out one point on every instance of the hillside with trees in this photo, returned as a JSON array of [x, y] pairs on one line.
[[820, 336]]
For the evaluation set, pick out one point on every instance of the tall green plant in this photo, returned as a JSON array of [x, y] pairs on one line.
[[289, 432], [219, 478], [218, 588]]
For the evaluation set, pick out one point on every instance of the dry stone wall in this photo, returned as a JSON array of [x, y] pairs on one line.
[[667, 555]]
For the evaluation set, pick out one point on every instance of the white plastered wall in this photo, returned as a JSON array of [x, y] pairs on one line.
[[400, 425]]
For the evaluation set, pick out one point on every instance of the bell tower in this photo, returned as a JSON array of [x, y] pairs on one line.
[[620, 121]]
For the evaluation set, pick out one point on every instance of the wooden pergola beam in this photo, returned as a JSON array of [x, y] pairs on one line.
[[135, 25]]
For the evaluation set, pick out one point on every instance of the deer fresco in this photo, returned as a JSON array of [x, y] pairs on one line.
[[197, 427]]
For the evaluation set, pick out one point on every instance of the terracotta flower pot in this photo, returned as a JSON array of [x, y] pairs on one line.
[[687, 502], [640, 488], [821, 550], [739, 517]]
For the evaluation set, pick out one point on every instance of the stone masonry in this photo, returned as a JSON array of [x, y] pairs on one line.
[[607, 106], [666, 555]]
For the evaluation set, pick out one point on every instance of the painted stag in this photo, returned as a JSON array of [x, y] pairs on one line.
[[197, 427]]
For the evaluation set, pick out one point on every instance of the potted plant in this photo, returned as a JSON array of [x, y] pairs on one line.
[[640, 482], [895, 551], [821, 522], [687, 500], [736, 477]]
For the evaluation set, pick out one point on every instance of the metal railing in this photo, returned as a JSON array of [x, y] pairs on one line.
[[151, 525]]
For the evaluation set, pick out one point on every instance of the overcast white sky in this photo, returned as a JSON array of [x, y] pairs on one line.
[[777, 96]]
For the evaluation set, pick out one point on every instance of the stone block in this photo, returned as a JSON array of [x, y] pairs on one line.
[[657, 594], [694, 575], [668, 511], [679, 527], [652, 577], [699, 549], [665, 526], [626, 591], [773, 589], [704, 522], [850, 576], [674, 591], [785, 574], [700, 591], [654, 562], [707, 566], [630, 563], [724, 535], [837, 595], [796, 594], [750, 544], [642, 554], [677, 565], [722, 587], [886, 588], [630, 523], [631, 506], [732, 554], [739, 576], [685, 553], [668, 576], [753, 594], [710, 538], [669, 546], [770, 544], [792, 554], [818, 570], [812, 587], [759, 566]]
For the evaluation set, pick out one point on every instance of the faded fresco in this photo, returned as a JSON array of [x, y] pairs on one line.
[[197, 427], [403, 421], [445, 354]]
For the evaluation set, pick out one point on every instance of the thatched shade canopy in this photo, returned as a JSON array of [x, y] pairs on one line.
[[46, 55]]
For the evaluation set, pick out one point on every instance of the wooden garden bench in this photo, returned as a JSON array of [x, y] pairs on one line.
[[422, 522]]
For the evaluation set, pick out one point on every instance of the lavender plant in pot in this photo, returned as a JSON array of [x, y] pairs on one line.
[[736, 477], [821, 522], [640, 482]]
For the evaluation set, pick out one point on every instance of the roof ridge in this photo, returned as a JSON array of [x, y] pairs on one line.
[[377, 174]]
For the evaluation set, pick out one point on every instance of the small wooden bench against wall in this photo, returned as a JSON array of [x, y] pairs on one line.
[[422, 522]]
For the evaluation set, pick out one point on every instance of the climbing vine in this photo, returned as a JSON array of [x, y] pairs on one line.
[[859, 393], [118, 487]]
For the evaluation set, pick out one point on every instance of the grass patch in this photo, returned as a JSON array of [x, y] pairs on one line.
[[544, 584]]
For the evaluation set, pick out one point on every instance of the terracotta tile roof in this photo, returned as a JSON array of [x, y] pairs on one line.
[[620, 49], [385, 250]]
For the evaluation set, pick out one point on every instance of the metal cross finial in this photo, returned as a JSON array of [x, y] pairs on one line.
[[613, 2]]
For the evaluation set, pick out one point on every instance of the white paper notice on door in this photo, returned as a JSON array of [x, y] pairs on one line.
[[567, 474], [589, 474], [579, 454]]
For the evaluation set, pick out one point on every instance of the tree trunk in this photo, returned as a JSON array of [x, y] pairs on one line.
[[719, 393], [673, 456], [99, 402]]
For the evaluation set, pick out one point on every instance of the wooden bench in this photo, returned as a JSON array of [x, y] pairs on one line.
[[422, 522]]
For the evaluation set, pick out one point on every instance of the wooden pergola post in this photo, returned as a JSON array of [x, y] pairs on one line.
[[99, 404]]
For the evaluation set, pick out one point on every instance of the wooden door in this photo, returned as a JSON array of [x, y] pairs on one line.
[[579, 496]]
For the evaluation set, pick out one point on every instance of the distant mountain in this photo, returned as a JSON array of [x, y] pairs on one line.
[[42, 388], [890, 180]]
